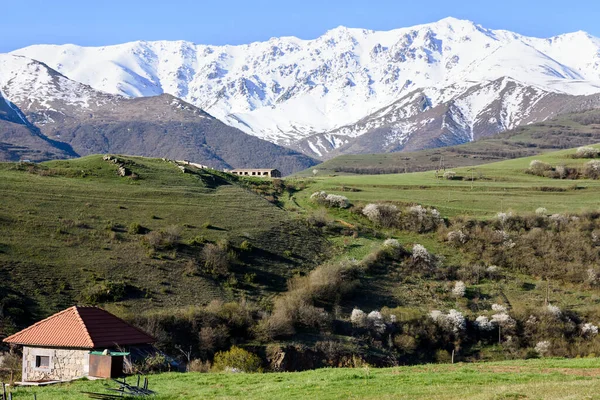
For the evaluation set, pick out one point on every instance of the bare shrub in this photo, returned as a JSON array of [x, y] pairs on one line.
[[199, 366], [216, 260]]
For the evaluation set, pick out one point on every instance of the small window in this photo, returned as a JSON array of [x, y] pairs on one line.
[[265, 173], [42, 361]]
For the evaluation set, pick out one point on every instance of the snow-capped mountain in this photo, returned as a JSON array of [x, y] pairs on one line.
[[45, 115], [319, 95]]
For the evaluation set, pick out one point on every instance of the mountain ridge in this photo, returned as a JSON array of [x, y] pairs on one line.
[[287, 90]]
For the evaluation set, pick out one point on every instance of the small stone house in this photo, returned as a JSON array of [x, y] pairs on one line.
[[258, 172], [58, 348]]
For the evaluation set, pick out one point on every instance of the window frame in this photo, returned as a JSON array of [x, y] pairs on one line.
[[38, 362]]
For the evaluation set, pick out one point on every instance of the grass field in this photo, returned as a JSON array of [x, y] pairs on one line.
[[495, 187], [546, 379]]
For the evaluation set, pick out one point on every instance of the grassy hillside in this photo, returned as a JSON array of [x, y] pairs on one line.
[[567, 131], [157, 245], [75, 230], [532, 379], [479, 191]]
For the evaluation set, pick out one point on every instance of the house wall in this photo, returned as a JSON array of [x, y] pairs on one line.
[[65, 364]]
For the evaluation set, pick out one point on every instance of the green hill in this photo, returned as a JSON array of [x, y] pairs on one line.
[[306, 280], [75, 231], [565, 131]]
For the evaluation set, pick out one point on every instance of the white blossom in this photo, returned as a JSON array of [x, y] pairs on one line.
[[587, 152], [459, 289], [484, 323], [358, 318], [589, 329], [503, 217], [335, 200], [376, 322], [504, 320], [554, 310], [499, 308], [542, 347], [456, 237], [419, 252], [454, 321], [391, 243]]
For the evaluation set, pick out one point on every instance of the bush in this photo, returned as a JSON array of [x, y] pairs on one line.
[[459, 289], [237, 359], [449, 175], [385, 215], [330, 200], [104, 292], [136, 229], [587, 152], [591, 169], [154, 363], [199, 366], [216, 260], [537, 167], [163, 239], [420, 219]]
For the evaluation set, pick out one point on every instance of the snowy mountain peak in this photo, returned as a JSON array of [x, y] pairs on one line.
[[287, 90]]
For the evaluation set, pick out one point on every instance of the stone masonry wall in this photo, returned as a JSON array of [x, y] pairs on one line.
[[65, 364]]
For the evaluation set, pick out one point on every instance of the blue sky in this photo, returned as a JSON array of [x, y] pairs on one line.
[[102, 22]]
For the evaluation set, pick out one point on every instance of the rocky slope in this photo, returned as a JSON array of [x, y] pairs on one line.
[[317, 95], [92, 122]]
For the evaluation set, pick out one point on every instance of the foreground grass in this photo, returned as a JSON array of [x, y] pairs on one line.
[[531, 379]]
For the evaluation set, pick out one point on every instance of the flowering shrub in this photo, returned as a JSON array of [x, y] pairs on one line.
[[589, 329], [499, 308], [385, 215], [358, 318], [504, 320], [330, 200], [542, 348], [335, 200], [375, 321], [537, 167], [541, 212], [391, 243], [420, 219], [554, 310], [459, 289], [503, 217], [420, 253], [449, 175], [483, 323], [453, 322], [587, 152], [456, 237], [591, 169]]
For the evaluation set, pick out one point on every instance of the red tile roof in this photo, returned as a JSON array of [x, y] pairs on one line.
[[81, 327]]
